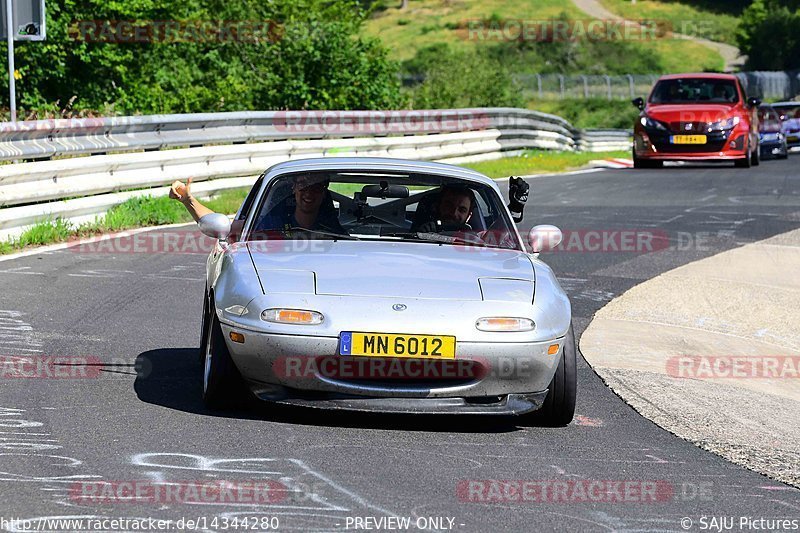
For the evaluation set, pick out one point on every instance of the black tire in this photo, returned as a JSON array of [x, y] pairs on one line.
[[558, 408], [201, 352], [755, 157], [785, 153], [746, 161], [638, 163], [223, 386], [645, 163]]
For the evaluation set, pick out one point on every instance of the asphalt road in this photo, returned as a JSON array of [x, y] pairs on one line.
[[139, 418]]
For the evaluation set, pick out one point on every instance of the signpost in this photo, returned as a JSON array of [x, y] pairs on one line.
[[25, 23]]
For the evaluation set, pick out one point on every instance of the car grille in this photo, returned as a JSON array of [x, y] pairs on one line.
[[678, 128], [715, 142]]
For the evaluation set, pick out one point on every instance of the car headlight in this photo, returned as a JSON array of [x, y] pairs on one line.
[[648, 122], [504, 324], [292, 316], [723, 125]]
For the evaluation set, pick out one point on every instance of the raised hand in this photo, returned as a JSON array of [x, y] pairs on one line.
[[180, 191]]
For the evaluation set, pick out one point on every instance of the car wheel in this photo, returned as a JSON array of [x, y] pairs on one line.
[[646, 163], [201, 353], [559, 405], [756, 156], [222, 383], [745, 161], [785, 152]]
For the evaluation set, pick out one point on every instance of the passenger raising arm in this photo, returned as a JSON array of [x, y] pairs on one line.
[[181, 191]]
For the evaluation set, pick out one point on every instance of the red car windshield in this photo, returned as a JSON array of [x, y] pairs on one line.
[[694, 91]]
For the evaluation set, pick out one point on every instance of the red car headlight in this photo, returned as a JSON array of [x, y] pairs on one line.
[[724, 125]]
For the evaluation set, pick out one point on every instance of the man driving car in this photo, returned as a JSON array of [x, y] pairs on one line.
[[452, 208]]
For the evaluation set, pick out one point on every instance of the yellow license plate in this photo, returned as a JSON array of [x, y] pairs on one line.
[[394, 345], [688, 139]]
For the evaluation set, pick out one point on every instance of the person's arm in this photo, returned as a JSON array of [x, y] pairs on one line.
[[181, 191]]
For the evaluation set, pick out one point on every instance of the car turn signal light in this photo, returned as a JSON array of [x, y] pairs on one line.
[[504, 324], [292, 316], [236, 337]]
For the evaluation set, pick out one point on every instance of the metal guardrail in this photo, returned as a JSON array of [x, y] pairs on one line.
[[149, 152], [773, 85]]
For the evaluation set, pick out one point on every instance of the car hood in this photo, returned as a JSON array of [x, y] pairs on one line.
[[411, 270], [690, 113]]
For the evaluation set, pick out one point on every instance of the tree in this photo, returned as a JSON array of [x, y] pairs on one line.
[[769, 34], [309, 55]]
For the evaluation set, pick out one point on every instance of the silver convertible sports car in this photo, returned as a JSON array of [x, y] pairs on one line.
[[386, 285]]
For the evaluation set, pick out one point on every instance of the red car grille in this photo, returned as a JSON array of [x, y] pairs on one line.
[[688, 127]]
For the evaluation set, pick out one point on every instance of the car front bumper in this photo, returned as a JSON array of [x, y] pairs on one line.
[[501, 378]]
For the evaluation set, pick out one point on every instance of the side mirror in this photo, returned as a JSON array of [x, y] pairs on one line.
[[544, 238], [518, 190], [753, 102], [215, 225], [638, 102]]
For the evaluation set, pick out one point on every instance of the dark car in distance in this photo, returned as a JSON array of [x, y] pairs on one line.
[[771, 133]]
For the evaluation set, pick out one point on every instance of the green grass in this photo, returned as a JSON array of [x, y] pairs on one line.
[[429, 22], [590, 113], [538, 162], [715, 21], [137, 212]]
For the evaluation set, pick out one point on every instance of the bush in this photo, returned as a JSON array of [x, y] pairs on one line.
[[455, 79], [769, 35], [317, 60], [590, 112]]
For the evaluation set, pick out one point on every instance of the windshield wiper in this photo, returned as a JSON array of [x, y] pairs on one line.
[[330, 234], [436, 237]]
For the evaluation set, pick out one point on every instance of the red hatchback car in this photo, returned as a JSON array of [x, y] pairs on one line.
[[696, 117]]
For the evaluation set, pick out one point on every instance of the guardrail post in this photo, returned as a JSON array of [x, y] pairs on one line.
[[608, 85], [561, 85], [585, 87], [539, 84], [630, 83]]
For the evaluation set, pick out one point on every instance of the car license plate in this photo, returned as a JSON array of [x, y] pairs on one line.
[[688, 139], [792, 139], [394, 345]]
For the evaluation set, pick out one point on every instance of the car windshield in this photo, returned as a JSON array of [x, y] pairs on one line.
[[694, 91], [788, 111], [370, 206]]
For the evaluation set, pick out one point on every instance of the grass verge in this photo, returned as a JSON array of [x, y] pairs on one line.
[[135, 213], [590, 112], [147, 211], [539, 162]]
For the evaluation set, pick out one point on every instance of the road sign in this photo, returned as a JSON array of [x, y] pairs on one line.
[[28, 22]]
